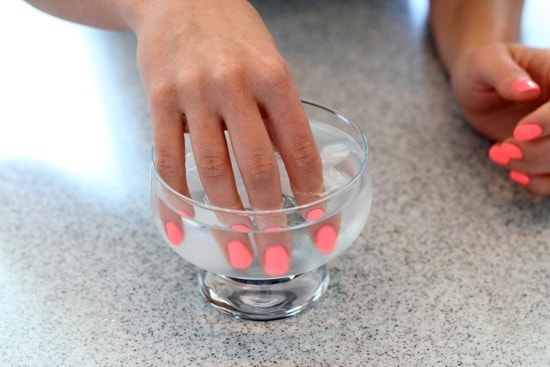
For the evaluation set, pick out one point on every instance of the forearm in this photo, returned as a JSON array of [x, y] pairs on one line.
[[106, 14], [460, 25]]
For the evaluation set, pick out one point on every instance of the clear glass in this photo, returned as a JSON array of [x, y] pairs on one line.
[[260, 272]]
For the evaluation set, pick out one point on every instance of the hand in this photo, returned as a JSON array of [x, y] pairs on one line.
[[210, 66], [503, 90]]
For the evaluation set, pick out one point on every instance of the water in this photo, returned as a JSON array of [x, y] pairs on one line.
[[205, 237]]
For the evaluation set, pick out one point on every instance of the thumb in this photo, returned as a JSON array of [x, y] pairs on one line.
[[509, 79]]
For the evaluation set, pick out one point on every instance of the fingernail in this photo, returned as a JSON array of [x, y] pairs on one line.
[[520, 178], [511, 150], [497, 155], [184, 214], [241, 228], [174, 233], [239, 255], [276, 261], [524, 85], [315, 214], [325, 239], [527, 131]]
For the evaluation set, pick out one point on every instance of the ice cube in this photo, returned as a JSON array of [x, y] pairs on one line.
[[333, 154], [334, 179]]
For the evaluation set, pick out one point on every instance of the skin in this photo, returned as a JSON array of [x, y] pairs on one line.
[[478, 45], [210, 66]]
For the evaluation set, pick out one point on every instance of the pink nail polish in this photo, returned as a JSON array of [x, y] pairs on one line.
[[315, 214], [241, 228], [524, 85], [498, 156], [527, 131], [325, 239], [276, 261], [184, 214], [512, 151], [174, 233], [520, 178], [239, 255]]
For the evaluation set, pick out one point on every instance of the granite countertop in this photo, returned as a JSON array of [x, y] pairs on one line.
[[452, 268]]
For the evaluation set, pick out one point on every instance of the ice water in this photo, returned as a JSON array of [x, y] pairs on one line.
[[343, 159]]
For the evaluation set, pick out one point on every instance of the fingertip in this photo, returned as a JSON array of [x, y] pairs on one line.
[[326, 238], [174, 233], [239, 255], [527, 131], [524, 85], [276, 260], [520, 178], [522, 89]]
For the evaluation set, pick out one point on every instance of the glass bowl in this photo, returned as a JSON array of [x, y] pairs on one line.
[[274, 272]]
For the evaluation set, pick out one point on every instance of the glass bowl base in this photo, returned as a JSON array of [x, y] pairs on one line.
[[264, 299]]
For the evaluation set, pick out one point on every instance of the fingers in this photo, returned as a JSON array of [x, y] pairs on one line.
[[274, 250], [527, 153], [291, 133], [254, 154], [169, 152], [503, 74], [325, 234]]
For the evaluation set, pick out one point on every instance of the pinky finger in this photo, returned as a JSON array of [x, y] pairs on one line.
[[536, 184]]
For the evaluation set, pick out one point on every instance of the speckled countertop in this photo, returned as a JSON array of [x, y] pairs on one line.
[[452, 269]]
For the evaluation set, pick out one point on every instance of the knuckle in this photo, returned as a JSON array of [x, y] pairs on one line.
[[165, 164], [306, 156], [162, 94], [275, 72], [228, 75], [213, 167], [261, 170]]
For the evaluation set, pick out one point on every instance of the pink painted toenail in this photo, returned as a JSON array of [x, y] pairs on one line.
[[239, 255], [276, 261], [315, 214], [241, 227], [174, 233], [325, 239]]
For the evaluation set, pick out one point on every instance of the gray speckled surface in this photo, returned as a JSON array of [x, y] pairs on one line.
[[452, 269]]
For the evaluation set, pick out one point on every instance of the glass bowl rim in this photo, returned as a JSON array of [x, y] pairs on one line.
[[303, 207]]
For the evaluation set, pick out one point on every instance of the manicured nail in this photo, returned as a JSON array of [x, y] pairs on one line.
[[174, 233], [239, 255], [511, 150], [524, 85], [527, 131], [325, 239], [498, 156], [276, 261], [315, 214], [520, 178], [184, 214], [241, 228], [273, 228]]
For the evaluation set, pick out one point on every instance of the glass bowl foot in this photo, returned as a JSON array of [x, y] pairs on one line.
[[264, 299]]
